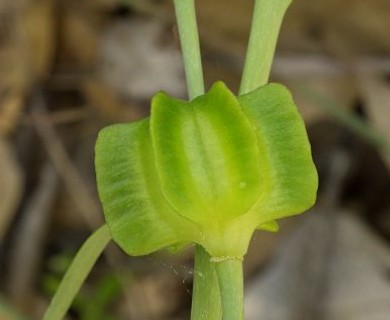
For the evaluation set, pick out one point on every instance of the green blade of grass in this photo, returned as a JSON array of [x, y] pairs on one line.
[[77, 273], [352, 121]]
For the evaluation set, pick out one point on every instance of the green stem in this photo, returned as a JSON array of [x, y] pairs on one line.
[[189, 39], [267, 19], [77, 273], [206, 300], [231, 286]]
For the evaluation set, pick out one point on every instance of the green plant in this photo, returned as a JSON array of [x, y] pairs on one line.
[[209, 171], [89, 304]]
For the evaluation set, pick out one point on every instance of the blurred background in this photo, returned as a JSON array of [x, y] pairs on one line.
[[70, 67]]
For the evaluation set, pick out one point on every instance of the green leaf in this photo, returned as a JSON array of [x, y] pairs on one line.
[[140, 219], [289, 175], [271, 226], [206, 155], [77, 273], [209, 171]]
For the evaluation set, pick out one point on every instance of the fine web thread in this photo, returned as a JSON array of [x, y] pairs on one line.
[[184, 272]]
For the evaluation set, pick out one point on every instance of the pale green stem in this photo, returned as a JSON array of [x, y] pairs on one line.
[[77, 273], [231, 286], [267, 19], [189, 40], [206, 302], [205, 297]]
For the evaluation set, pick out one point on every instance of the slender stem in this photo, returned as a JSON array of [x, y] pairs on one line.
[[206, 302], [189, 39], [267, 19], [77, 273], [205, 298], [231, 286], [352, 121]]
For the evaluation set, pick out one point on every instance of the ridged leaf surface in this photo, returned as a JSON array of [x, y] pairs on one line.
[[140, 219], [288, 172], [206, 155], [209, 171]]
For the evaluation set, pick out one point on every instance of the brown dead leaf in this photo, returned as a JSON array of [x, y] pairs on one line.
[[14, 66], [80, 36], [106, 102], [39, 27], [101, 4], [10, 186], [11, 108], [350, 26], [26, 45]]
